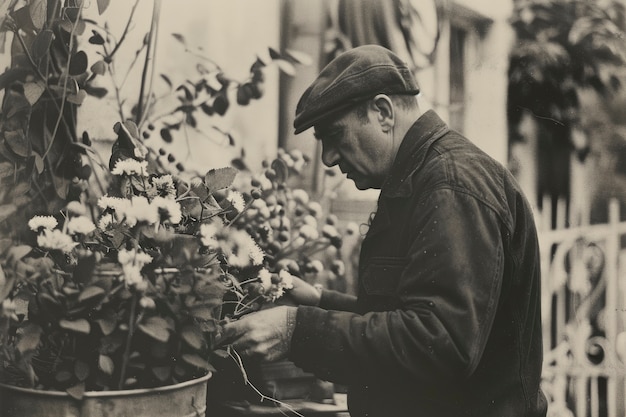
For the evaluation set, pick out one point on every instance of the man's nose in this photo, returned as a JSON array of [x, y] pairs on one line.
[[330, 157]]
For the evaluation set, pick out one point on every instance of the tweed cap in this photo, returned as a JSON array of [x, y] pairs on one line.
[[353, 77]]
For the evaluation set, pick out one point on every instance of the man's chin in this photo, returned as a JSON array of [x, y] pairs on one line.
[[361, 183]]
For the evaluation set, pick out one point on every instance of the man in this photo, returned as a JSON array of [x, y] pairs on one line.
[[447, 318]]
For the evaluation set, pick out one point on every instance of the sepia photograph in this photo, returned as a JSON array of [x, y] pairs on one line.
[[313, 208]]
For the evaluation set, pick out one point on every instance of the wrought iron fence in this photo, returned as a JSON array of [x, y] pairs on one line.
[[584, 315]]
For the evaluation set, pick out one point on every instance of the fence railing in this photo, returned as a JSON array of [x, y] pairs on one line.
[[584, 314]]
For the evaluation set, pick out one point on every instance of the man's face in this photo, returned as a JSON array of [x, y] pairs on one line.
[[358, 147]]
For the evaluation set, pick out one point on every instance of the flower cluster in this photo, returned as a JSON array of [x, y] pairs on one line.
[[297, 235]]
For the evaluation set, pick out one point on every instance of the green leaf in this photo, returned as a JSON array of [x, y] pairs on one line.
[[197, 361], [78, 326], [132, 128], [102, 5], [166, 79], [11, 75], [221, 353], [106, 365], [6, 284], [202, 313], [41, 44], [99, 67], [180, 38], [17, 142], [6, 169], [286, 67], [29, 339], [39, 164], [63, 376], [33, 91], [16, 253], [299, 57], [106, 325], [61, 185], [193, 337], [79, 63], [220, 178], [81, 370], [162, 373], [38, 12], [6, 211], [89, 293], [77, 391], [77, 98], [24, 20], [157, 328]]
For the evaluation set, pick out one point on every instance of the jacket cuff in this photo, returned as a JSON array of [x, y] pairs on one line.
[[312, 326]]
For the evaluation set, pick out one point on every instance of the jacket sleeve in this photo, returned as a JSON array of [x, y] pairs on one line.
[[448, 295]]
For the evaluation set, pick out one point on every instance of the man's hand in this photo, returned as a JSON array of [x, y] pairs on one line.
[[304, 293], [264, 335]]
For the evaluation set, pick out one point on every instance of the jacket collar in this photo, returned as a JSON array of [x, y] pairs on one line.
[[427, 129]]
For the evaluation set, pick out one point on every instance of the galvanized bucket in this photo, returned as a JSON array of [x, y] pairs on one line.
[[187, 399]]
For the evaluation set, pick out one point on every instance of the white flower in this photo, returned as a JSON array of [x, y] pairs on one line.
[[55, 240], [80, 225], [329, 231], [310, 220], [315, 208], [147, 303], [132, 275], [298, 241], [300, 196], [105, 221], [141, 211], [42, 222], [286, 279], [132, 262], [74, 207], [261, 205], [266, 278], [164, 186], [237, 201], [168, 209], [338, 267], [263, 182], [308, 232], [316, 265], [282, 282], [243, 250], [130, 167], [352, 228], [256, 254], [115, 204], [208, 234]]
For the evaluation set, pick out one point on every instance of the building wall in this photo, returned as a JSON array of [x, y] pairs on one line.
[[229, 32]]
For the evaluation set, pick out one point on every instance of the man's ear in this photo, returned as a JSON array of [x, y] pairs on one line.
[[385, 111]]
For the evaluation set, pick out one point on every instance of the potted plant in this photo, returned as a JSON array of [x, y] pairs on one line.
[[132, 300]]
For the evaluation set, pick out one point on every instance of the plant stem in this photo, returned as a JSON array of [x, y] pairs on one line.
[[149, 58], [129, 338], [125, 32], [65, 81]]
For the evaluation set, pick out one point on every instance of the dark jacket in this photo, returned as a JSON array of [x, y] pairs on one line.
[[447, 321]]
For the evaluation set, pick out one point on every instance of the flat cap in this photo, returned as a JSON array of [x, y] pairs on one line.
[[353, 77]]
